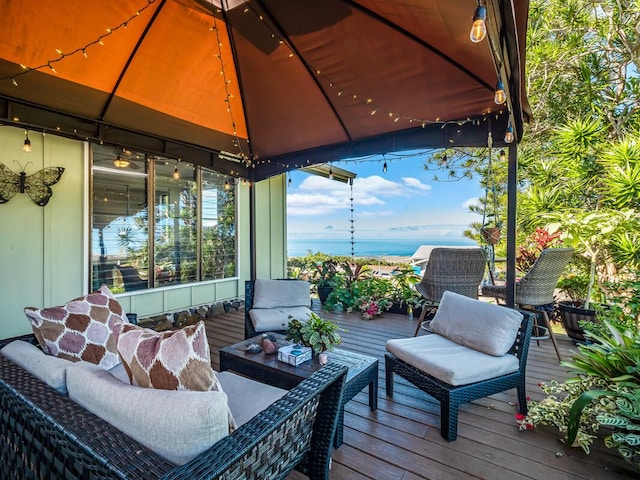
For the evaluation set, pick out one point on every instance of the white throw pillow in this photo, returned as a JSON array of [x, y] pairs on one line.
[[176, 424], [281, 293], [51, 370], [485, 327]]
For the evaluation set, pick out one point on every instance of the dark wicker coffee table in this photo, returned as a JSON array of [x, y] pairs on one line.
[[363, 371]]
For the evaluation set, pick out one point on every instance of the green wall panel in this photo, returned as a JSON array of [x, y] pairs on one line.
[[44, 250]]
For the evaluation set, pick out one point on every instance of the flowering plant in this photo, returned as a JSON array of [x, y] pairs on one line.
[[370, 307]]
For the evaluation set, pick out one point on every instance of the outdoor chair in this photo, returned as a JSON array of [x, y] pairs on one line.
[[458, 270], [268, 304], [476, 349], [536, 289]]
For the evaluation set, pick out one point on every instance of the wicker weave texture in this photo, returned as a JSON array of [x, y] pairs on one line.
[[451, 397], [459, 270], [47, 436], [539, 283]]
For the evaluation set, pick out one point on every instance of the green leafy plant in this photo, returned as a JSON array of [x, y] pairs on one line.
[[403, 290], [319, 334], [604, 393]]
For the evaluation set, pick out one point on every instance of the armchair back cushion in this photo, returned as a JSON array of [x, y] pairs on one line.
[[177, 425], [281, 293], [485, 327]]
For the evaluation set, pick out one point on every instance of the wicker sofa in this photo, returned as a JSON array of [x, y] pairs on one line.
[[46, 435]]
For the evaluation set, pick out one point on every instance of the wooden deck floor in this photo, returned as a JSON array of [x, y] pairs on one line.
[[401, 440]]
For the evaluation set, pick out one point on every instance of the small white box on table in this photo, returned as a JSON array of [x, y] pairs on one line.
[[294, 354]]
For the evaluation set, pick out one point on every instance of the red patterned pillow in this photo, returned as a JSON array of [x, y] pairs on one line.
[[173, 360], [84, 329]]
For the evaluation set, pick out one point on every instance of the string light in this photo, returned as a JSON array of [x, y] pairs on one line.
[[227, 185], [80, 50], [289, 182], [508, 136], [330, 173], [26, 146], [384, 167], [342, 92], [479, 26], [503, 156], [500, 96], [248, 161], [176, 172]]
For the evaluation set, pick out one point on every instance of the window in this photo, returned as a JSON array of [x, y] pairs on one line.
[[193, 227]]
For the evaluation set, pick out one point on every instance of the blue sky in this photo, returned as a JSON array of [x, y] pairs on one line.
[[403, 203]]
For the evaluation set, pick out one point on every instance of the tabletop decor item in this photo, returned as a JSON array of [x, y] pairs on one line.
[[319, 334]]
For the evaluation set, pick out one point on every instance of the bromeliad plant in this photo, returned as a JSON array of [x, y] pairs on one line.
[[319, 334]]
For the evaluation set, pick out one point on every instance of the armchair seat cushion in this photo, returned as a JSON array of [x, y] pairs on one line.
[[277, 318], [451, 362]]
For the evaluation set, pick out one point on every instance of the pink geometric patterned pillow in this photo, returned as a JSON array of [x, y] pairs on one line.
[[173, 360], [84, 329]]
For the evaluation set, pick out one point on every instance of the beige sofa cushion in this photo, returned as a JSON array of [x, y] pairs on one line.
[[51, 370], [247, 397], [450, 362], [177, 425], [485, 327]]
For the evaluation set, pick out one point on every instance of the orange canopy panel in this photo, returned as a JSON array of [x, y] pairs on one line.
[[284, 83]]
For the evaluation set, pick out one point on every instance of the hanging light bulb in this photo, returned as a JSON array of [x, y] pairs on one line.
[[508, 136], [176, 172], [384, 167], [289, 182], [330, 173], [227, 185], [479, 27], [503, 155], [120, 162], [500, 96], [27, 143]]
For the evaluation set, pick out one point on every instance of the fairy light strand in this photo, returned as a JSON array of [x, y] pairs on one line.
[[49, 64], [228, 96], [340, 91]]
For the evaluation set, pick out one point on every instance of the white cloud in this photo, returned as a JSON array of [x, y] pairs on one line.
[[415, 183], [318, 195], [471, 201]]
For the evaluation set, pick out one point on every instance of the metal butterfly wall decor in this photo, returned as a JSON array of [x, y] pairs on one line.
[[36, 185]]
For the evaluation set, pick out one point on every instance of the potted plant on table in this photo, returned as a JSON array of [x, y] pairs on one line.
[[316, 332]]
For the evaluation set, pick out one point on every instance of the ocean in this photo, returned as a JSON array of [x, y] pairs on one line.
[[299, 247]]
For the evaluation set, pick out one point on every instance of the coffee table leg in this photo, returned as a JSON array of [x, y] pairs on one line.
[[373, 394]]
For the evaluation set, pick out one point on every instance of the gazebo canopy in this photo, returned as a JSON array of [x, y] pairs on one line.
[[254, 88]]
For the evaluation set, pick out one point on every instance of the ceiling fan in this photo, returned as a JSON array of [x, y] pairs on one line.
[[125, 158]]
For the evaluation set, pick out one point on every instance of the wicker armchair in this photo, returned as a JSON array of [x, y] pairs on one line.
[[452, 396], [459, 270], [537, 287], [44, 434]]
